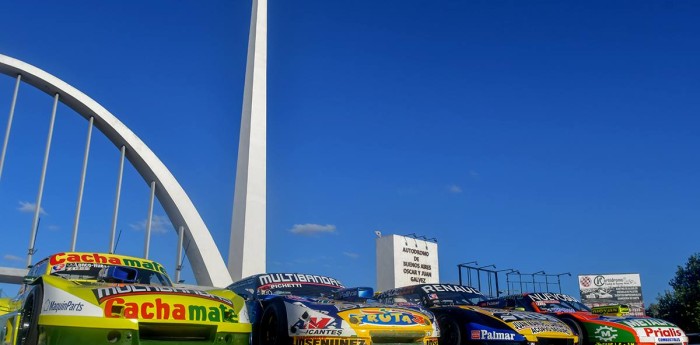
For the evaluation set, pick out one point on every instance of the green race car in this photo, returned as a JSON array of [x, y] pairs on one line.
[[597, 326], [92, 298]]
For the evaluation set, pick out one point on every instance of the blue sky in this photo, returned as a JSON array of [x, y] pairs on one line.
[[555, 136]]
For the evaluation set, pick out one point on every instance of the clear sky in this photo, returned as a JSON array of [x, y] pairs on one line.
[[535, 135]]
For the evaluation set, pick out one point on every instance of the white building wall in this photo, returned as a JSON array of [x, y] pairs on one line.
[[403, 261]]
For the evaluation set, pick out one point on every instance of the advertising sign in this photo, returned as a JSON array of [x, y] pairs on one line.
[[609, 289], [404, 260]]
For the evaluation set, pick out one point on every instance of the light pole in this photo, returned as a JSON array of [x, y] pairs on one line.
[[498, 292], [459, 267], [508, 281], [534, 289], [559, 278], [478, 273]]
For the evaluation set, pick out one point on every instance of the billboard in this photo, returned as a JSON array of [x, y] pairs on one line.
[[608, 289], [405, 260]]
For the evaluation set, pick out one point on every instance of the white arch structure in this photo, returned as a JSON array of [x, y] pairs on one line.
[[207, 264]]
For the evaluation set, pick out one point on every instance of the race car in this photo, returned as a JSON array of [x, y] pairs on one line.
[[461, 321], [306, 309], [94, 298], [596, 329]]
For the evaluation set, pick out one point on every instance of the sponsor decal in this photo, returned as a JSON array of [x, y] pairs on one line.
[[386, 317], [541, 326], [432, 288], [129, 290], [515, 316], [315, 325], [266, 290], [336, 332], [550, 297], [613, 343], [662, 332], [160, 310], [329, 341], [586, 281], [646, 322], [59, 302], [491, 335], [599, 280], [431, 341], [266, 279], [96, 258], [318, 322], [605, 333], [669, 340], [54, 306]]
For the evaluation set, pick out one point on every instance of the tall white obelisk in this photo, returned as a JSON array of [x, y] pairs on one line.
[[247, 248]]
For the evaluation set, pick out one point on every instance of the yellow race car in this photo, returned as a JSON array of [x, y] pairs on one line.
[[93, 298], [462, 322]]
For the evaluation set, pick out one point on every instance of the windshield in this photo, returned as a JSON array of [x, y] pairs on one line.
[[444, 298], [96, 272], [558, 304], [298, 289]]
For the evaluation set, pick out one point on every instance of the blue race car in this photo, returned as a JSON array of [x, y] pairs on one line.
[[294, 308]]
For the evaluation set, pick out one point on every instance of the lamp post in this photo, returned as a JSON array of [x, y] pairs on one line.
[[459, 267], [559, 278], [498, 292], [478, 273], [534, 289], [508, 281]]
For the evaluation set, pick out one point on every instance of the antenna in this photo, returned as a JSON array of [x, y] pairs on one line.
[[117, 243]]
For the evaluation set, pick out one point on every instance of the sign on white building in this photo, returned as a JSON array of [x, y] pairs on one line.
[[404, 260], [608, 289]]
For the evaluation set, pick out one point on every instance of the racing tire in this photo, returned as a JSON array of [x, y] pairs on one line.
[[273, 326], [28, 330], [577, 328], [450, 331]]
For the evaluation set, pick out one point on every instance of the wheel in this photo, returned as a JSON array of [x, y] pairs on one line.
[[450, 331], [28, 330], [273, 326], [577, 328]]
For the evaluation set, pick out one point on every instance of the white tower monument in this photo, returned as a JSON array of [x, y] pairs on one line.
[[247, 249]]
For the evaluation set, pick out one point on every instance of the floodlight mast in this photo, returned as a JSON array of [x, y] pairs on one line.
[[465, 265]]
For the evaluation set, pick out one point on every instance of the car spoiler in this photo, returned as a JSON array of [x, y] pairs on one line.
[[611, 310]]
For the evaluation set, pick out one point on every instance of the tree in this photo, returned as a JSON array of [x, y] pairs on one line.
[[682, 305]]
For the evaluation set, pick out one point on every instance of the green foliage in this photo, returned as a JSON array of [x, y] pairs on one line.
[[682, 305]]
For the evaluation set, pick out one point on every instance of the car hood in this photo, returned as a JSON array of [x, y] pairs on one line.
[[529, 325], [630, 329], [144, 303], [326, 317]]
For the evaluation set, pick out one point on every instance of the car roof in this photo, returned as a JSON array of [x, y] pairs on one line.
[[415, 287], [287, 277]]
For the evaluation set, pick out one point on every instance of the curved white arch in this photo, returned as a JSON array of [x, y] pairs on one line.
[[207, 264]]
